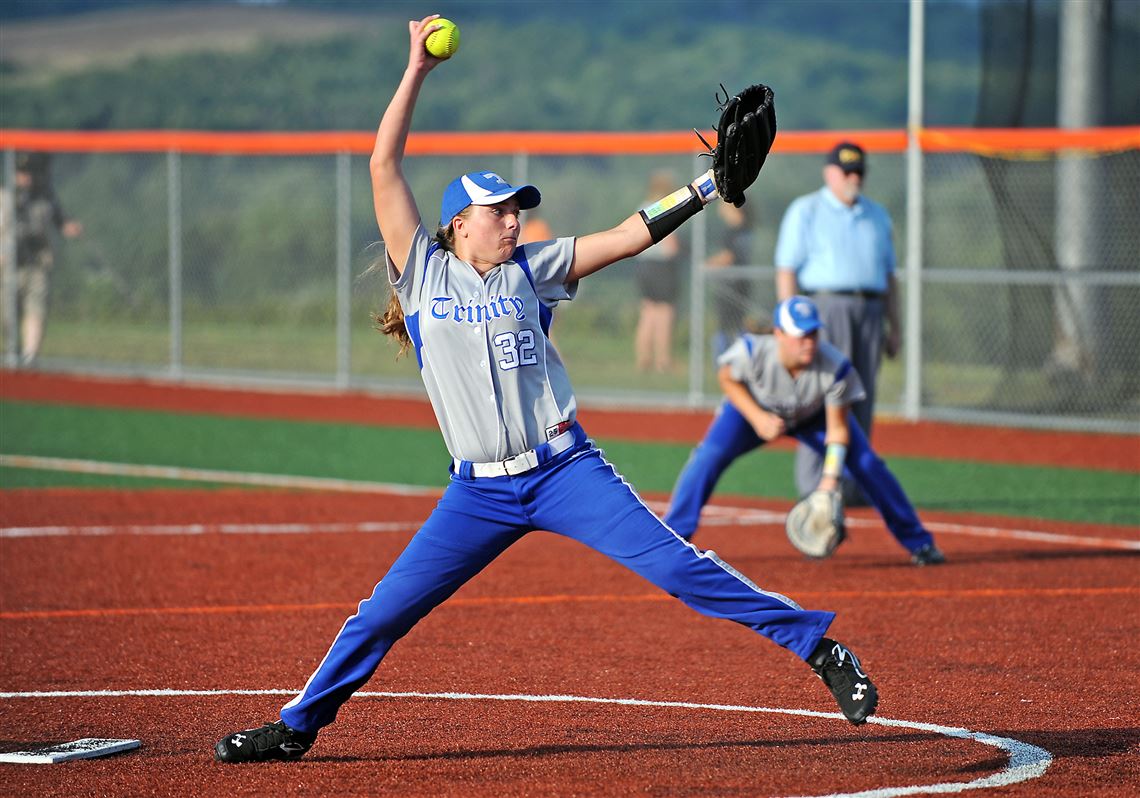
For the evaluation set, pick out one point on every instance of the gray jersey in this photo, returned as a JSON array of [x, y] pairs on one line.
[[495, 381], [755, 361]]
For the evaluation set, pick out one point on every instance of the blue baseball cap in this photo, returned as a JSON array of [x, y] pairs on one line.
[[482, 188], [797, 316]]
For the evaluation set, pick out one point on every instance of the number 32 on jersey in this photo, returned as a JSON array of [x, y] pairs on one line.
[[517, 349]]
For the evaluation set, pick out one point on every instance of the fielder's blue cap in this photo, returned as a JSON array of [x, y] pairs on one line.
[[483, 188], [797, 316]]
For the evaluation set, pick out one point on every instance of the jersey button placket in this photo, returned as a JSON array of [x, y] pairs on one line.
[[483, 362], [487, 288], [478, 329]]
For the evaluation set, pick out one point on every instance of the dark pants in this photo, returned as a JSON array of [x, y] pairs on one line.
[[854, 326]]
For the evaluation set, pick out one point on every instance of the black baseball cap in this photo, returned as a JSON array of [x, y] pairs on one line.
[[848, 157]]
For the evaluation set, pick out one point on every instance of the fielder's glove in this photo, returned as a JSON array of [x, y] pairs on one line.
[[745, 132], [815, 526]]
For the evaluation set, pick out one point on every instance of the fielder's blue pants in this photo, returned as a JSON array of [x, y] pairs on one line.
[[730, 436], [577, 494]]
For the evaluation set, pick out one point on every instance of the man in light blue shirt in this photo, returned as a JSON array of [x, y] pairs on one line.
[[836, 246]]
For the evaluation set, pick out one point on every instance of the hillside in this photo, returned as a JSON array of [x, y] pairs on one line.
[[323, 66], [547, 64], [44, 47]]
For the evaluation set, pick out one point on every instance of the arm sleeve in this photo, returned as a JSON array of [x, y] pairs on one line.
[[550, 263], [405, 283], [738, 358], [847, 386], [791, 251]]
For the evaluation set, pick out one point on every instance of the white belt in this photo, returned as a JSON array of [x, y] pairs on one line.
[[520, 463]]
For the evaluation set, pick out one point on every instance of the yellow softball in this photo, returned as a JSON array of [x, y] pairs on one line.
[[444, 42]]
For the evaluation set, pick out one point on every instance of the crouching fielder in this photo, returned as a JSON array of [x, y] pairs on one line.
[[791, 383], [475, 308]]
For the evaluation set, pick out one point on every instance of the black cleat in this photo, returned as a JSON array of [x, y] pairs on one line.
[[928, 555], [840, 670], [271, 741]]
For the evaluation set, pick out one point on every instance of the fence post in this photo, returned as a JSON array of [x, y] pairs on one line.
[[912, 347], [1082, 314], [520, 165], [174, 260], [8, 299], [343, 268]]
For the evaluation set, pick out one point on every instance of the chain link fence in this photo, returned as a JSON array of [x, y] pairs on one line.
[[242, 269]]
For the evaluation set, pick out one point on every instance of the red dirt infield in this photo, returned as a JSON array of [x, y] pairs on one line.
[[1017, 639], [145, 614]]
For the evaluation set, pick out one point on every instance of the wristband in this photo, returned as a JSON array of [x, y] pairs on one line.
[[705, 186], [833, 460], [670, 212]]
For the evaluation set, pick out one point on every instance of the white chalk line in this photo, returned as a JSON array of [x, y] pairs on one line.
[[368, 527], [713, 515], [177, 473], [1026, 761], [720, 515]]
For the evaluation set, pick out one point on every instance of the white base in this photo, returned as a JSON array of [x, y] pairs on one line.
[[87, 748]]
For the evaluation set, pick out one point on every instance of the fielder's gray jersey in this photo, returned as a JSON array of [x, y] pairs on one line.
[[495, 381], [755, 361]]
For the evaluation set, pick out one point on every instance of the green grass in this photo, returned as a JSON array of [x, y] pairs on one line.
[[15, 478], [338, 451], [418, 457]]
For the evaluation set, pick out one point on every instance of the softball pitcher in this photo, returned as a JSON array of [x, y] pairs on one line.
[[475, 307]]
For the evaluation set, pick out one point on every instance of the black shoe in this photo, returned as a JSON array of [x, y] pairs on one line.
[[928, 555], [841, 672], [271, 741]]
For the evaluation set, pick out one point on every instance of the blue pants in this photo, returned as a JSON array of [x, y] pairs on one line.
[[576, 494], [730, 436]]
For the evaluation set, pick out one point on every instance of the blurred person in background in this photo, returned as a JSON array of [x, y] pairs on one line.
[[535, 228], [31, 211], [837, 246], [657, 271], [731, 296]]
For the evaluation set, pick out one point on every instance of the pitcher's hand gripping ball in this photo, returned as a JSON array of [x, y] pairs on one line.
[[745, 133], [444, 42], [816, 526]]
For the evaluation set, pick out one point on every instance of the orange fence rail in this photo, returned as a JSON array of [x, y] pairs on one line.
[[996, 141], [1014, 141]]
